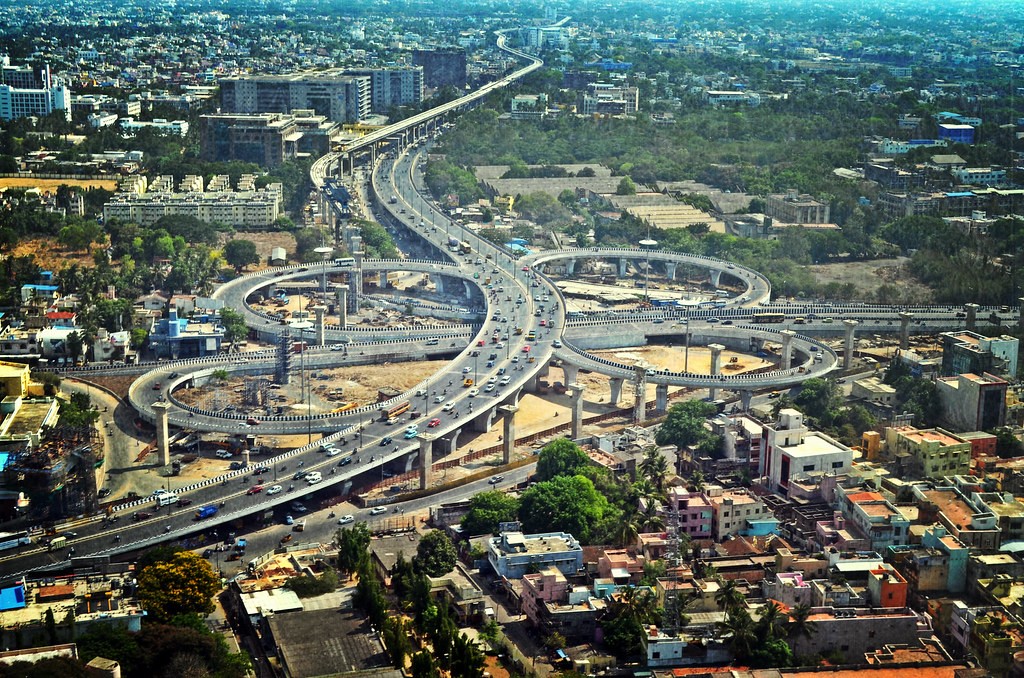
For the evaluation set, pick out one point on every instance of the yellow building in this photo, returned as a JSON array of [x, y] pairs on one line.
[[14, 380], [934, 453]]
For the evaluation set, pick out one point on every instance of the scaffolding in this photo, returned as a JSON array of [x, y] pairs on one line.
[[282, 369], [255, 392]]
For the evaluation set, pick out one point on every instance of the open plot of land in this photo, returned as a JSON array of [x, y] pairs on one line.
[[52, 184], [868, 276]]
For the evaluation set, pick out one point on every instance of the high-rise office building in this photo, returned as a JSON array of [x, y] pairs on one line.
[[337, 96], [442, 67], [392, 86], [25, 91]]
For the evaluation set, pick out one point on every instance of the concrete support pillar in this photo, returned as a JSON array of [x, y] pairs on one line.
[[342, 295], [356, 281], [670, 270], [716, 277], [321, 325], [849, 344], [570, 267], [450, 442], [163, 446], [482, 422], [972, 315], [616, 387], [640, 394], [905, 319], [622, 267], [787, 348], [439, 284], [508, 440], [382, 280], [577, 410], [346, 487], [716, 366], [745, 397], [426, 459], [572, 373], [410, 459], [467, 289], [661, 397]]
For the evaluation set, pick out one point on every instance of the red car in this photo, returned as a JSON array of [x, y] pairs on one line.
[[526, 268], [526, 349], [184, 501], [433, 422], [255, 489], [252, 421], [480, 342]]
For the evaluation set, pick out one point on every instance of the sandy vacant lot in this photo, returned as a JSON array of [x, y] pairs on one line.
[[52, 184], [868, 276]]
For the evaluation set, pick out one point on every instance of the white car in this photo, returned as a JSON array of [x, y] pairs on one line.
[[275, 489], [466, 369], [448, 408], [333, 452], [377, 510], [473, 392], [492, 380], [223, 454], [488, 388], [439, 399], [157, 493], [505, 380], [345, 520]]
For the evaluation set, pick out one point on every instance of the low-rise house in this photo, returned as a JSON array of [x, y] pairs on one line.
[[513, 554], [552, 605]]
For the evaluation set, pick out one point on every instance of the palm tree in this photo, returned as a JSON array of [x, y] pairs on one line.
[[771, 620], [650, 521], [740, 627], [800, 623], [729, 597], [644, 489], [654, 467], [628, 529]]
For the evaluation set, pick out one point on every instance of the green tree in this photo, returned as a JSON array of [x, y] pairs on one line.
[[819, 398], [626, 187], [627, 618], [395, 636], [435, 555], [561, 457], [183, 584], [353, 543], [739, 628], [684, 425], [240, 253], [235, 328], [424, 666], [486, 510], [566, 503], [369, 596], [729, 596], [800, 623], [654, 467]]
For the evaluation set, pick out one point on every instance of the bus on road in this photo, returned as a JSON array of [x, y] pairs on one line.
[[769, 317], [395, 411]]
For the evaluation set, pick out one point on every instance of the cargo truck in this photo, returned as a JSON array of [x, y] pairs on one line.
[[205, 512]]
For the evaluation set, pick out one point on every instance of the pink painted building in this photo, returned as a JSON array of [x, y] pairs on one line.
[[694, 512]]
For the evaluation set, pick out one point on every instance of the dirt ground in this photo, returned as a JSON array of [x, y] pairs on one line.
[[52, 184], [868, 276], [266, 241]]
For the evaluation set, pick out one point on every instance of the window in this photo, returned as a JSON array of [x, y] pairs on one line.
[[837, 464], [808, 467]]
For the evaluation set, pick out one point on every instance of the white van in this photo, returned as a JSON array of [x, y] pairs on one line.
[[166, 499]]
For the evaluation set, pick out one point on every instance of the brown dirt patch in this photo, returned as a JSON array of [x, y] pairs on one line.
[[868, 276], [53, 184], [50, 256], [265, 242]]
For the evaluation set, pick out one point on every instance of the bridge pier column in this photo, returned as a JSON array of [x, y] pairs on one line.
[[346, 487], [972, 315], [482, 422], [616, 387], [716, 366], [661, 397], [572, 373], [439, 284], [570, 267], [321, 326], [716, 278], [787, 348], [382, 280], [163, 443], [355, 281], [467, 290], [905, 319], [342, 295], [577, 410], [622, 267], [508, 440], [670, 270], [451, 441], [848, 344], [426, 459], [745, 397], [640, 394], [410, 459]]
